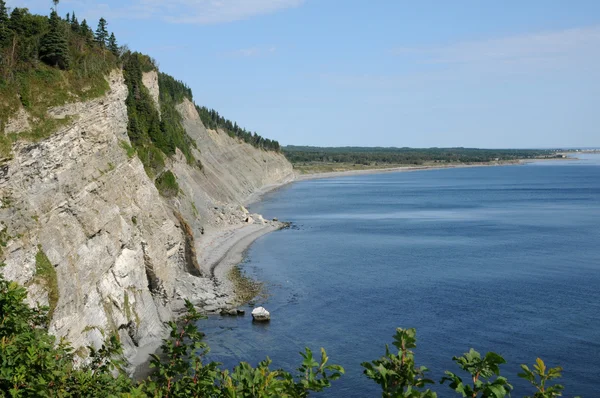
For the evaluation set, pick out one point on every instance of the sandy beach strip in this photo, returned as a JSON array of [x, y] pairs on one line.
[[225, 249]]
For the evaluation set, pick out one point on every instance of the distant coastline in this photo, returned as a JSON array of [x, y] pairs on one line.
[[226, 249]]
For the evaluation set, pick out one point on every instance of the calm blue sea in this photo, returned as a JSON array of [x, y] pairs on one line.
[[503, 259]]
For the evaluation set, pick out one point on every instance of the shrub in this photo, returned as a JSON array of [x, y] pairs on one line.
[[167, 185]]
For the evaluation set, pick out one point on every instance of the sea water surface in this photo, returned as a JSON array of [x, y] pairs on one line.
[[503, 259]]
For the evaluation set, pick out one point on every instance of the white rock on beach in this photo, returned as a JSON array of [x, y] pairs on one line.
[[260, 314]]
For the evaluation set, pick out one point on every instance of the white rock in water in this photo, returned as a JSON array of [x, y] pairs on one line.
[[260, 314]]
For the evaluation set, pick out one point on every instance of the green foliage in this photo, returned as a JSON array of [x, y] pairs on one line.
[[481, 370], [172, 93], [144, 121], [153, 134], [54, 49], [173, 89], [46, 274], [152, 158], [396, 373], [101, 33], [246, 381], [4, 32], [167, 185], [128, 148], [26, 39], [180, 371], [213, 120], [112, 46], [539, 377], [4, 236], [33, 364], [409, 156]]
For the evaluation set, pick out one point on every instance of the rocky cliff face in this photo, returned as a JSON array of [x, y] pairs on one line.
[[122, 257]]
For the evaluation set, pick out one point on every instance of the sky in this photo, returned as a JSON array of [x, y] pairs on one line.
[[493, 74]]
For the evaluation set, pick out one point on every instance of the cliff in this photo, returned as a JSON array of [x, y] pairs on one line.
[[86, 230]]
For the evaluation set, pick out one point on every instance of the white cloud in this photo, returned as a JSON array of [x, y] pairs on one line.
[[545, 50]]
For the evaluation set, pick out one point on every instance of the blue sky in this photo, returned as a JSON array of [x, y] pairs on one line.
[[377, 73]]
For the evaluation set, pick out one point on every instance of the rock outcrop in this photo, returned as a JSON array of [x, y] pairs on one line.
[[150, 80], [260, 314], [124, 257]]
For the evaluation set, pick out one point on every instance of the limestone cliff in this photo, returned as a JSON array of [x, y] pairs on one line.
[[123, 256]]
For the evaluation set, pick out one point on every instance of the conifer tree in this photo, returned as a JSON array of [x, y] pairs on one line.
[[54, 49], [86, 32], [74, 23], [16, 23], [112, 44], [3, 22], [102, 33], [55, 2]]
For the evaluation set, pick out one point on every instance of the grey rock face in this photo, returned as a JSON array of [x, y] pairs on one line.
[[150, 80], [121, 252]]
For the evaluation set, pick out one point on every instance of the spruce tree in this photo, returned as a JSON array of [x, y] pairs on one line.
[[16, 23], [74, 23], [4, 32], [86, 32], [102, 33], [54, 49], [112, 45]]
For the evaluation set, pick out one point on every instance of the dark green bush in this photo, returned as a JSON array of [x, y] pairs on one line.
[[167, 185]]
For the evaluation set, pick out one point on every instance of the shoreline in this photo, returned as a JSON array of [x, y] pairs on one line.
[[221, 250], [226, 248]]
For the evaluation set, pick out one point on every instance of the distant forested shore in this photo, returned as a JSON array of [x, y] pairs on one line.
[[411, 156]]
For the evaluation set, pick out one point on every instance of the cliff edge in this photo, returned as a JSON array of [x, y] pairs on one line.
[[85, 229]]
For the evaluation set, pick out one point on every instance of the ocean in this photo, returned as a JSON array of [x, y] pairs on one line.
[[503, 259]]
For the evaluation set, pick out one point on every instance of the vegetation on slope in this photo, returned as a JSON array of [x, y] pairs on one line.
[[33, 364], [370, 156], [156, 133], [213, 120], [46, 274], [45, 62]]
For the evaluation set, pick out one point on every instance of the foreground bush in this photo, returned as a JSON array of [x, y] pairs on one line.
[[34, 364]]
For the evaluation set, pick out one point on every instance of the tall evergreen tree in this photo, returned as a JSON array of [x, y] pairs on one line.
[[54, 49], [55, 2], [86, 32], [16, 23], [3, 22], [102, 33], [112, 44], [74, 23]]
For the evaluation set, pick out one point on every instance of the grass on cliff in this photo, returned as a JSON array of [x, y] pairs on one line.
[[27, 82], [167, 184], [46, 275], [155, 134]]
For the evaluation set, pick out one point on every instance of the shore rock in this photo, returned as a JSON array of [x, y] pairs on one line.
[[230, 312], [260, 314]]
